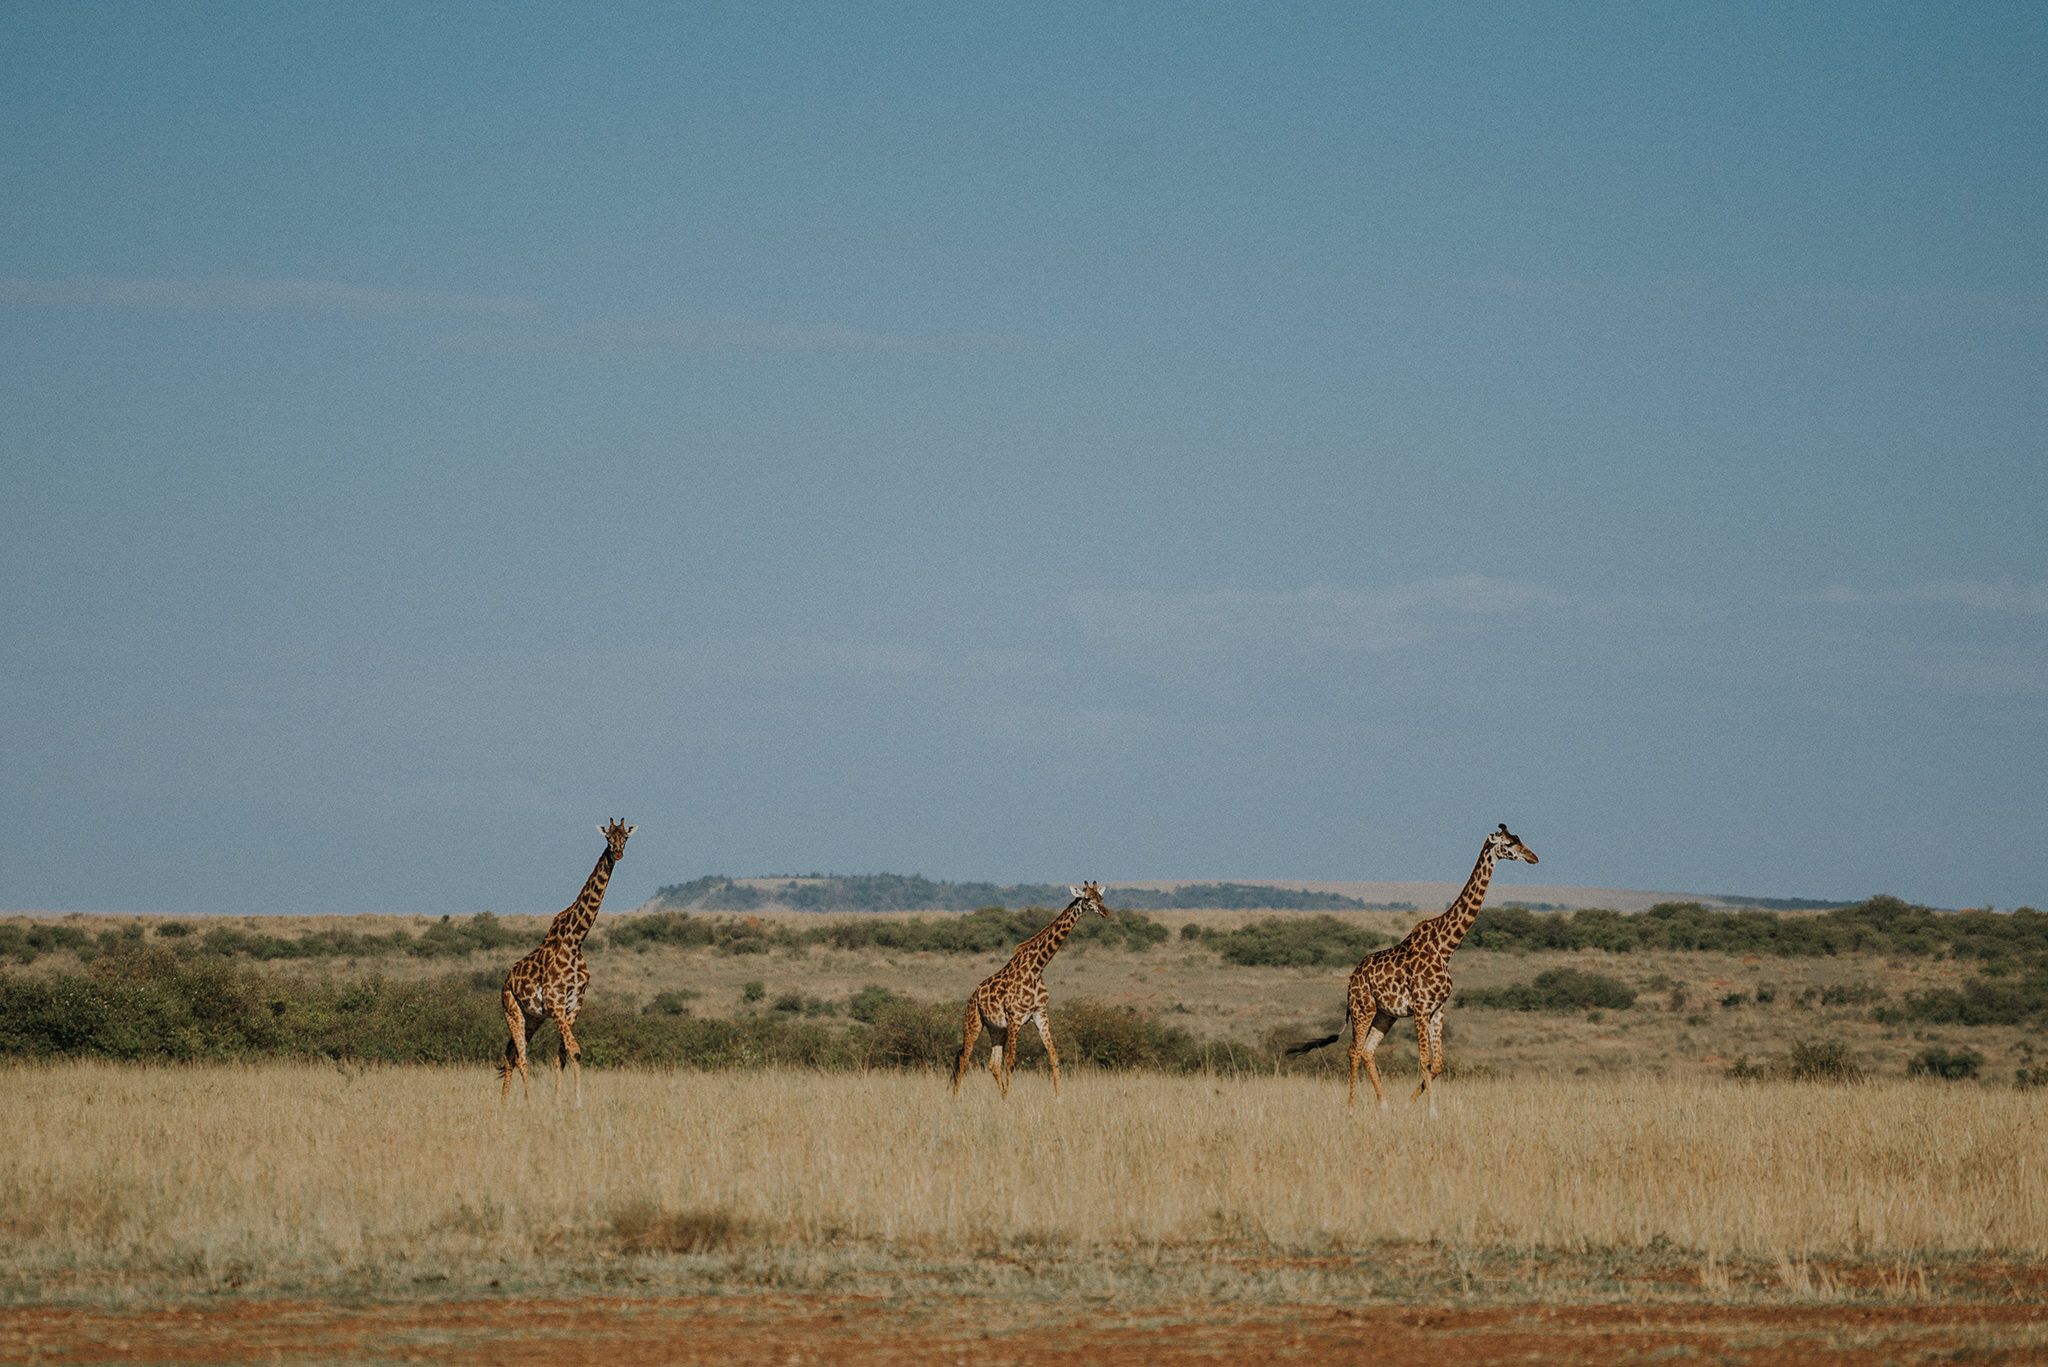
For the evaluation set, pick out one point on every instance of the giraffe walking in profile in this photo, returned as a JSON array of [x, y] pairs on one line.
[[1411, 979], [1015, 994], [547, 985]]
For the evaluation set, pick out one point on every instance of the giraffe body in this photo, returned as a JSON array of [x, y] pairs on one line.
[[1412, 979], [548, 984], [1014, 996]]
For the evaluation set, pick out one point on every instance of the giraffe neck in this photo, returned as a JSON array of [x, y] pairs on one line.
[[574, 923], [1037, 951], [1452, 925]]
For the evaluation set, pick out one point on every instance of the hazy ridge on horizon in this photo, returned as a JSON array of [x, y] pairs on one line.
[[897, 892]]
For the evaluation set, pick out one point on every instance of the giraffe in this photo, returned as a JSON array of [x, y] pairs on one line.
[[1410, 979], [1015, 995], [548, 983]]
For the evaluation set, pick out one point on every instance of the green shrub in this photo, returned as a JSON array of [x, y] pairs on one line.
[[1881, 925], [1978, 1002], [1851, 994], [907, 1034], [449, 937], [1120, 1038], [1292, 942], [1559, 989], [158, 1005], [1939, 1062], [866, 1004], [1818, 1061], [26, 944], [753, 991], [982, 931]]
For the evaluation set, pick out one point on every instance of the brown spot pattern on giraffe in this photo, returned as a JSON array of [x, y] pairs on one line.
[[1413, 978], [1014, 996]]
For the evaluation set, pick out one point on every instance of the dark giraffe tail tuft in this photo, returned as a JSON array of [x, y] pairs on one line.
[[1307, 1045]]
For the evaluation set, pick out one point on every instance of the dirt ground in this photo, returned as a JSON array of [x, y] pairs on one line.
[[848, 1329]]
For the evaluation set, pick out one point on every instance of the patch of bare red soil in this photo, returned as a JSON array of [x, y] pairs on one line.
[[786, 1330]]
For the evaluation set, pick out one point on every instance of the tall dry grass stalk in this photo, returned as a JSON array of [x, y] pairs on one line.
[[296, 1167]]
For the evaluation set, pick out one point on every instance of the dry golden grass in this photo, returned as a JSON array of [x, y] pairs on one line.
[[296, 1173]]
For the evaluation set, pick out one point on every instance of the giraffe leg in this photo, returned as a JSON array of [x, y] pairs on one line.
[[1045, 1033], [1011, 1032], [1356, 1053], [1373, 1037], [1422, 1034], [570, 1054], [575, 1052], [515, 1049], [968, 1034]]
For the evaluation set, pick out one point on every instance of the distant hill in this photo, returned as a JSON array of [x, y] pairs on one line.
[[913, 892], [1781, 903]]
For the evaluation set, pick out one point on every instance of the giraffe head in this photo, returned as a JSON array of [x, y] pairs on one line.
[[615, 837], [1089, 895], [1503, 845]]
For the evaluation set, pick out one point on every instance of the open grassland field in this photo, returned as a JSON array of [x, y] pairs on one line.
[[1748, 1137], [219, 1213]]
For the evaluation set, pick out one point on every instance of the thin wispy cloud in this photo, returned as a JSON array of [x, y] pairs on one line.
[[2002, 596], [1319, 616], [248, 296]]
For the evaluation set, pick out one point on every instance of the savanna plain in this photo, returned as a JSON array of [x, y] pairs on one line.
[[245, 1150]]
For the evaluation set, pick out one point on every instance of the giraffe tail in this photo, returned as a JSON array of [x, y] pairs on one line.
[[1307, 1046], [509, 1062]]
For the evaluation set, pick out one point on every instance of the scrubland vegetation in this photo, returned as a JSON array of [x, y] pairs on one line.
[[1900, 990]]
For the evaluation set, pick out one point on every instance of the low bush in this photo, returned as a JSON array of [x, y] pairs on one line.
[[1814, 1061], [1881, 925], [1559, 989], [1939, 1062], [157, 1005], [907, 1033], [1982, 1001], [26, 944], [867, 1003], [1291, 942], [981, 931], [1818, 1061]]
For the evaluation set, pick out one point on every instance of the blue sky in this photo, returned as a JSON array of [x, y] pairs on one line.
[[1172, 441]]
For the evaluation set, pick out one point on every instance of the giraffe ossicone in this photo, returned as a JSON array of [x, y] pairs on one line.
[[548, 984], [1014, 996], [1412, 979]]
